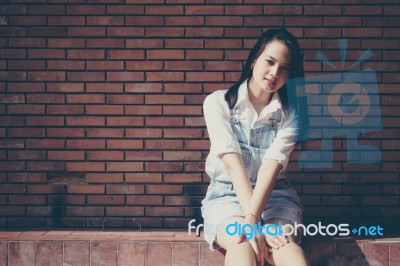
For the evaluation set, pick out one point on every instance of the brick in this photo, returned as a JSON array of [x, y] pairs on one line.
[[125, 9], [65, 132], [224, 21], [182, 178], [164, 76], [183, 43], [26, 155], [125, 189], [86, 9], [104, 20], [343, 21], [182, 110], [184, 21], [321, 32], [145, 43], [12, 166], [46, 189], [144, 200], [204, 10], [182, 133], [379, 200], [164, 121], [362, 10], [84, 211], [26, 64], [105, 200], [364, 32], [12, 75], [124, 144], [242, 32], [182, 65], [204, 31], [182, 156], [142, 109], [66, 155], [12, 53], [85, 76], [27, 200], [85, 98], [197, 145], [144, 65], [21, 87], [125, 76], [47, 31], [143, 177], [65, 109], [104, 178], [105, 109], [12, 211], [125, 54], [182, 87], [66, 20], [144, 21], [124, 166], [204, 54], [204, 76], [164, 99], [143, 87], [65, 65], [164, 211], [125, 121], [104, 87], [86, 189], [182, 201], [45, 143], [105, 133], [86, 31], [86, 144], [164, 10], [85, 54], [161, 144], [105, 43], [26, 109], [85, 166], [64, 87], [27, 42], [45, 121], [163, 166], [165, 32], [125, 211], [26, 177], [46, 9]]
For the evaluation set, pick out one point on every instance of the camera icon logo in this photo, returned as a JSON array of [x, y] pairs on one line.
[[341, 104]]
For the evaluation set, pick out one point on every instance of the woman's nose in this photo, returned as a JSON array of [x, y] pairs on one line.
[[273, 71]]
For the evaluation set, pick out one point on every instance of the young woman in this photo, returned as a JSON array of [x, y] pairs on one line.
[[253, 129]]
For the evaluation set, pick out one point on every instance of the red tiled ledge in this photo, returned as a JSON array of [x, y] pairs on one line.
[[123, 248]]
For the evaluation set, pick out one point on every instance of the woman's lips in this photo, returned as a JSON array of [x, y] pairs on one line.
[[271, 83]]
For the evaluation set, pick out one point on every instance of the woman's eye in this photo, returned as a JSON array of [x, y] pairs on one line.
[[286, 69], [270, 62]]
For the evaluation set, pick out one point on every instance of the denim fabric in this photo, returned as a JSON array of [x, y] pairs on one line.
[[221, 202]]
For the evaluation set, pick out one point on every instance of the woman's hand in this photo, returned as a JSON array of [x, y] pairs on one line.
[[275, 241], [256, 241]]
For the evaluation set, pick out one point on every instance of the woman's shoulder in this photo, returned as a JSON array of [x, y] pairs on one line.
[[216, 97]]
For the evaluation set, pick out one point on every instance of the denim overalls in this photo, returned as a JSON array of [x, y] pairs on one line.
[[221, 202]]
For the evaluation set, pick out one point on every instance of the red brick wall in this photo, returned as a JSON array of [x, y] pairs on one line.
[[101, 106]]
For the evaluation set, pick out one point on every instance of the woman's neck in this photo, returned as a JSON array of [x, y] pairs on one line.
[[259, 99]]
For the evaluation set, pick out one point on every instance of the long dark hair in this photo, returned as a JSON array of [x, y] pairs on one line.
[[296, 71]]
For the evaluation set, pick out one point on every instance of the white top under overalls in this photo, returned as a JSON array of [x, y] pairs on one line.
[[270, 135]]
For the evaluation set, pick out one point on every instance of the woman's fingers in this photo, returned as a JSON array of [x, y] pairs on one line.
[[254, 245], [276, 242]]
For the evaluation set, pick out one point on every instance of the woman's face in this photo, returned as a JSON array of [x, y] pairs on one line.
[[271, 69]]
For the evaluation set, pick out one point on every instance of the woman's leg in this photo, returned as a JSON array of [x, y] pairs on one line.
[[236, 254], [291, 253]]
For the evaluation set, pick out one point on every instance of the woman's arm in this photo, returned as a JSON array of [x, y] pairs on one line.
[[234, 165], [265, 183]]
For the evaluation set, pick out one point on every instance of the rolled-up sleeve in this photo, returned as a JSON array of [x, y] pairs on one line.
[[217, 117], [285, 140]]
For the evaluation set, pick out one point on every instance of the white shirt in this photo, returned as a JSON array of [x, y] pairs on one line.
[[223, 140]]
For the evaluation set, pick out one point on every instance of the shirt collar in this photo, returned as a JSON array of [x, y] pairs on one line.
[[243, 96]]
